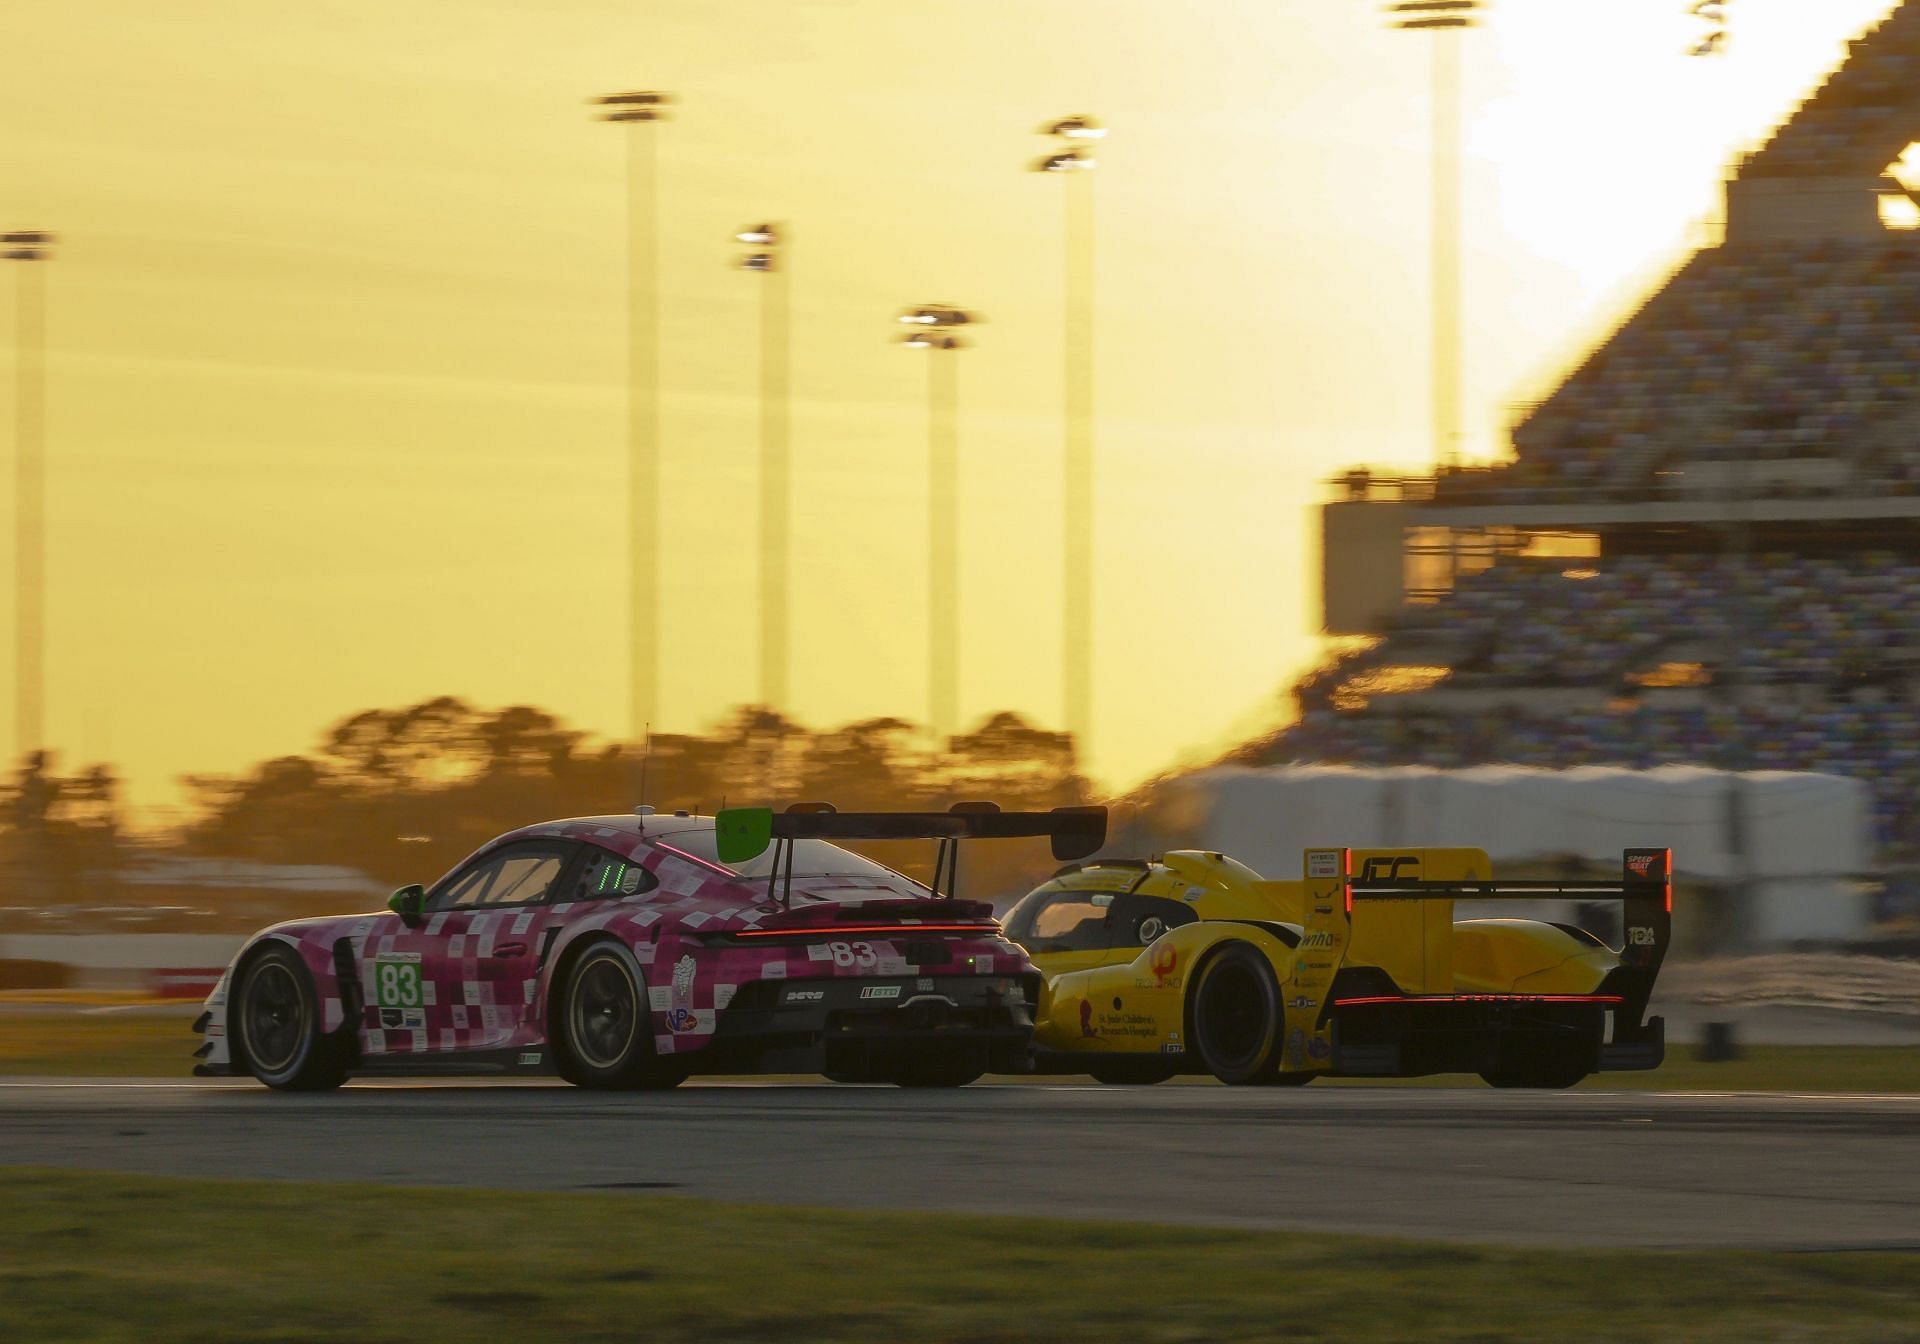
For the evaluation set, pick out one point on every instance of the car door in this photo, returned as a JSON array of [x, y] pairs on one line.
[[464, 978]]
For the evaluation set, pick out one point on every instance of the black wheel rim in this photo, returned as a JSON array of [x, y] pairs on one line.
[[275, 1018], [1236, 1015], [603, 1015]]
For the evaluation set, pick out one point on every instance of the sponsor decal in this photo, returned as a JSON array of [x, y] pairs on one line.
[[880, 991], [1194, 893], [1322, 909], [1302, 1001], [924, 983], [683, 978], [774, 970], [1318, 1047], [1381, 868], [1164, 961], [682, 1019], [818, 952], [1640, 865], [723, 995], [1640, 935], [1317, 938], [1323, 863], [1087, 1029], [529, 1056], [803, 996], [396, 980], [1173, 1048], [1296, 1047]]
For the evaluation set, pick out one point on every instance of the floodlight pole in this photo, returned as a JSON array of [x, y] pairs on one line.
[[943, 541], [1445, 19], [638, 111], [934, 327], [769, 262], [1076, 163], [31, 247]]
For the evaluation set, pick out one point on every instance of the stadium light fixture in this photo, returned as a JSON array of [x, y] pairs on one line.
[[1075, 128], [937, 315], [1066, 161], [637, 106], [1435, 14]]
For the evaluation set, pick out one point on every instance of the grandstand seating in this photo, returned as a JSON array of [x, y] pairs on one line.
[[1845, 128], [1830, 651], [1755, 354]]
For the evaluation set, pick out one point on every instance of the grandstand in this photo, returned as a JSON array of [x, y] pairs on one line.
[[1706, 548]]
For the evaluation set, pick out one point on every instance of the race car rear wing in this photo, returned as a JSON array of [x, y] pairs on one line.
[[1645, 892], [743, 833]]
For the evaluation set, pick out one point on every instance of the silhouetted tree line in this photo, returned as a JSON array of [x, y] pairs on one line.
[[403, 794]]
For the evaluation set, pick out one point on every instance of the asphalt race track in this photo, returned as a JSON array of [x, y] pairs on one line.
[[1592, 1168]]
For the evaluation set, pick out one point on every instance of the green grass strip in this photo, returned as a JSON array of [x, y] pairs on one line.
[[87, 1257]]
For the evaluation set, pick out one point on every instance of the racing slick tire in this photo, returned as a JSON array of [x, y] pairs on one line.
[[603, 1037], [275, 1026], [1132, 1072], [1235, 1022]]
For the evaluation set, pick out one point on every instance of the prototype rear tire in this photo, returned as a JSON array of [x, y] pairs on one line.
[[1238, 1025], [275, 1025], [604, 1036], [1132, 1072]]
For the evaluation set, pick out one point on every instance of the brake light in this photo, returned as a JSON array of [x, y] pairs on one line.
[[1476, 998], [1669, 884]]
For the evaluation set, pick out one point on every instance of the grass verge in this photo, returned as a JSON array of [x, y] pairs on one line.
[[88, 1257]]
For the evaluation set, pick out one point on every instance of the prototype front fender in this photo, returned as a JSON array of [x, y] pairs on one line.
[[1139, 1006]]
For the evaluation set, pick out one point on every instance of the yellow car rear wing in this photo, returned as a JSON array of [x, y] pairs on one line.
[[1388, 921]]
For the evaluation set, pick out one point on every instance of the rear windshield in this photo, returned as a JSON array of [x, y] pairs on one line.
[[811, 858]]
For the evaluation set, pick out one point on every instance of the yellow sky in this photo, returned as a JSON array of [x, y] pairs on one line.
[[335, 408]]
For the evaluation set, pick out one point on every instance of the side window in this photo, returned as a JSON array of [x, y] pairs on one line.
[[1068, 921], [516, 875], [1135, 921], [604, 875]]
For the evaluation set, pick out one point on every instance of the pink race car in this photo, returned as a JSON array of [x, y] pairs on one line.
[[634, 951]]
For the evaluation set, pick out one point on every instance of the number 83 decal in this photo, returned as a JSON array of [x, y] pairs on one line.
[[853, 954]]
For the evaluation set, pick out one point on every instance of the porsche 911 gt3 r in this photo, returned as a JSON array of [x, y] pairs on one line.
[[633, 951], [1192, 962]]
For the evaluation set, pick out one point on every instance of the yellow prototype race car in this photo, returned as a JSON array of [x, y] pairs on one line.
[[1193, 963]]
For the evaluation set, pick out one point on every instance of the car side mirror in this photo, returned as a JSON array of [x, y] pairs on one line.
[[410, 903]]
